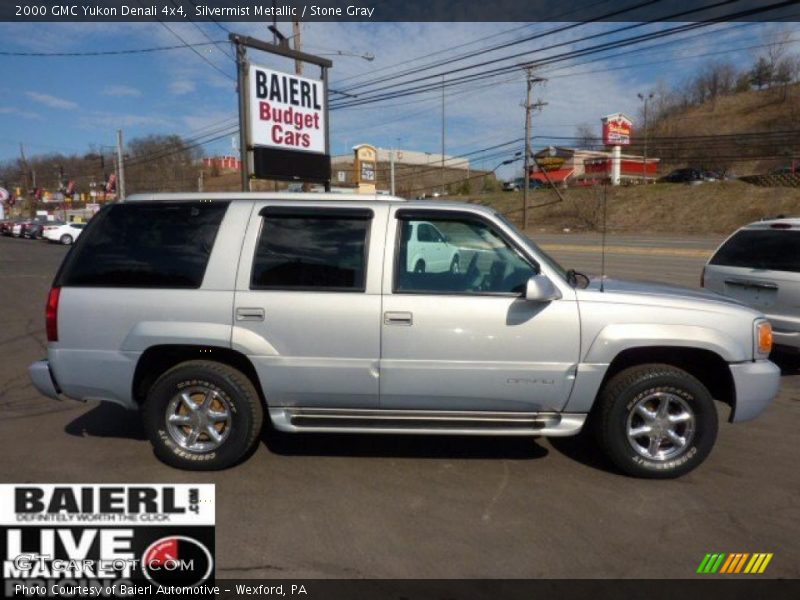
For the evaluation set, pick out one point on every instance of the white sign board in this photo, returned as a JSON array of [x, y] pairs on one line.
[[4, 195], [287, 111]]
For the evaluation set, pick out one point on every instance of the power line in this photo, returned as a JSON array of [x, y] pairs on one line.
[[213, 20], [490, 49], [202, 31], [110, 52], [192, 48], [560, 57]]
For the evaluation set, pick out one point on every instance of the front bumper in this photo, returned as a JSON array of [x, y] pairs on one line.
[[756, 386], [42, 379]]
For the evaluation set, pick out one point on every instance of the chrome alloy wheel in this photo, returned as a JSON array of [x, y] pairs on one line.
[[198, 419], [660, 426]]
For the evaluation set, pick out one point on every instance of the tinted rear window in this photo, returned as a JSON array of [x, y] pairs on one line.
[[771, 249], [146, 245]]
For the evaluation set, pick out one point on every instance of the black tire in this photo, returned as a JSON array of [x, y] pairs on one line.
[[232, 387], [420, 266], [455, 265], [66, 239], [627, 395]]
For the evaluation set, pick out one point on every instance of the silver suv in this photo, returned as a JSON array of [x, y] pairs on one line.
[[759, 265], [204, 311]]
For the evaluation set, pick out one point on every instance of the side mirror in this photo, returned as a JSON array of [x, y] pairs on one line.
[[541, 289]]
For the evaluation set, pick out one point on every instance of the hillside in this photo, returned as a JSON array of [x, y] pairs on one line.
[[775, 110], [717, 208]]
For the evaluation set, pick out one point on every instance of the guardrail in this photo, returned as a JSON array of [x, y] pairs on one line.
[[774, 180]]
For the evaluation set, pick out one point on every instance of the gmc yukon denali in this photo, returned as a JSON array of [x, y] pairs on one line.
[[340, 313]]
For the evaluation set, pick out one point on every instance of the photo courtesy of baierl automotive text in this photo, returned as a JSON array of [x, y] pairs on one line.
[[338, 300]]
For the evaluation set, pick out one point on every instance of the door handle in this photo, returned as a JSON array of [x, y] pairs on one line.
[[752, 284], [249, 314], [398, 318]]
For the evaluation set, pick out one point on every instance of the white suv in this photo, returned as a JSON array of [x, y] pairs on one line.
[[759, 265]]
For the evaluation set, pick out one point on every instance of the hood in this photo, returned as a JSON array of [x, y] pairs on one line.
[[653, 290]]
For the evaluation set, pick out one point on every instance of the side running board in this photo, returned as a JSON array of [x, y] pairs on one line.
[[335, 420]]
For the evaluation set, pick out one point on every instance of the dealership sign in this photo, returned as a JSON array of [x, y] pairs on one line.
[[287, 126], [617, 130], [286, 111], [106, 539]]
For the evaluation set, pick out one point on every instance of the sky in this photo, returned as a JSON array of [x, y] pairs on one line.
[[76, 104]]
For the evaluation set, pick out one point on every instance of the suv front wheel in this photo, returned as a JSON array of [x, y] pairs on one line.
[[656, 421], [202, 415]]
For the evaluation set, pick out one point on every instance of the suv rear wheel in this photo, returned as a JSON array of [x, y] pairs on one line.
[[656, 421], [203, 415]]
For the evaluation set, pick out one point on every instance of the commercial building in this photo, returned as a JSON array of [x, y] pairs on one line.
[[223, 163], [416, 173], [574, 166]]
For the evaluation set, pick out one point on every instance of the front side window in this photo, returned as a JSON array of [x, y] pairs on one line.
[[769, 249], [458, 255], [311, 250]]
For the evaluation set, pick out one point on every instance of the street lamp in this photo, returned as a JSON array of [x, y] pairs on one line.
[[645, 99], [367, 56]]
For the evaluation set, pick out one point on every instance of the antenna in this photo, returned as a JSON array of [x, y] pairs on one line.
[[603, 240]]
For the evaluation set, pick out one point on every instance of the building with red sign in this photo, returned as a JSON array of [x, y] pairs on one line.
[[223, 163], [573, 166]]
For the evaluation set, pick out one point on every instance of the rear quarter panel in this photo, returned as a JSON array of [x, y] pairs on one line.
[[103, 331]]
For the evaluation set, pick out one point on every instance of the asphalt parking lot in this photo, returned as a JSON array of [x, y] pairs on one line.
[[410, 507]]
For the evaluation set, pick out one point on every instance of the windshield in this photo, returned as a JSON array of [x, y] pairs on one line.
[[541, 254]]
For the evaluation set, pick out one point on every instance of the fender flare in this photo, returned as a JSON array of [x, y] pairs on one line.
[[613, 339]]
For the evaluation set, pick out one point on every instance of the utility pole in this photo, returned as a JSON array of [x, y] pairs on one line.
[[241, 78], [200, 181], [121, 166], [298, 69], [529, 106], [298, 64], [645, 99], [391, 171], [442, 135]]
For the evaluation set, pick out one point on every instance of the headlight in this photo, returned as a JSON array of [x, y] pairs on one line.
[[762, 338]]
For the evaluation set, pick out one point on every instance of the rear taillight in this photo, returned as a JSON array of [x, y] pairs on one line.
[[703, 277], [51, 315]]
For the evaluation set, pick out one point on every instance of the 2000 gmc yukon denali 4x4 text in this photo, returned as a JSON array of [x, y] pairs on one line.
[[339, 314]]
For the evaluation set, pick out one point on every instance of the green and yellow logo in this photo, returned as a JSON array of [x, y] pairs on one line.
[[741, 562]]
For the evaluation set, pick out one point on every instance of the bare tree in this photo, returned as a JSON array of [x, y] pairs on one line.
[[761, 73], [585, 136]]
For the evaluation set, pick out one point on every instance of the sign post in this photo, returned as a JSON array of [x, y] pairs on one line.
[[617, 130], [283, 118], [365, 167]]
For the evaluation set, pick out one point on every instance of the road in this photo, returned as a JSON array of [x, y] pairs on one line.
[[362, 506]]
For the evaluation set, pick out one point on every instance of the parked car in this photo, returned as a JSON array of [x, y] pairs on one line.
[[759, 265], [64, 234], [7, 225], [35, 230], [18, 227], [206, 311], [510, 186], [785, 171], [519, 183], [691, 176], [429, 251]]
